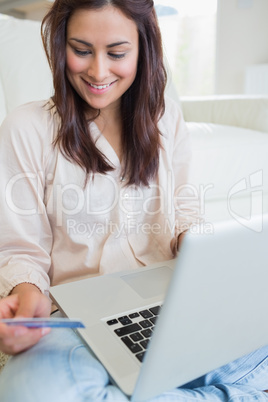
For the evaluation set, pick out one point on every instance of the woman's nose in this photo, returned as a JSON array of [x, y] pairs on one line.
[[98, 69]]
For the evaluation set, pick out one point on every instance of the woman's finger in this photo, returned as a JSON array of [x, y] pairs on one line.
[[17, 339]]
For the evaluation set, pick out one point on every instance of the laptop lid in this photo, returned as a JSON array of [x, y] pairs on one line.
[[215, 308]]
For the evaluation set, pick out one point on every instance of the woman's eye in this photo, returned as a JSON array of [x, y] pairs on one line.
[[82, 52], [117, 55]]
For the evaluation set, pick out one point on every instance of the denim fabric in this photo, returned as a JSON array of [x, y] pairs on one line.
[[61, 369]]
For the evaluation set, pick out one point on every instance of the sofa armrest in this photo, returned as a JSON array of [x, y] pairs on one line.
[[233, 110]]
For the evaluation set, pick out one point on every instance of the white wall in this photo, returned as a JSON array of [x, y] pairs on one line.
[[242, 40]]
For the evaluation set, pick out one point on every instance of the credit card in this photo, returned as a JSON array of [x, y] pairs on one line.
[[44, 322]]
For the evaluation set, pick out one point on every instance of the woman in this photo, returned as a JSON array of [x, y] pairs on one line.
[[94, 183]]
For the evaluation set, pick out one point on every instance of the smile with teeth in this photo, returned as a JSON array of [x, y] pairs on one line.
[[100, 86]]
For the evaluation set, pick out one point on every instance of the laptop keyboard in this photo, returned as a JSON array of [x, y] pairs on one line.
[[135, 329]]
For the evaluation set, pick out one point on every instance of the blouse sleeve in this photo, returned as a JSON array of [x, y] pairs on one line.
[[25, 236]]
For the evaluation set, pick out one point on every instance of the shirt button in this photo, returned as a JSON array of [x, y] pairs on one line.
[[126, 196]]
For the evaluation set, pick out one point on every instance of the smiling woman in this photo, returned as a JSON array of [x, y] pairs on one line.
[[101, 64], [103, 168], [108, 47]]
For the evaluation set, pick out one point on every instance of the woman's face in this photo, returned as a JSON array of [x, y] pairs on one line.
[[102, 49]]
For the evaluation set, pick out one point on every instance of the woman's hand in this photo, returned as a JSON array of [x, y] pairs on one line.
[[176, 243], [25, 300]]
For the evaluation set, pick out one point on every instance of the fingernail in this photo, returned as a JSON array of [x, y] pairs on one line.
[[45, 331]]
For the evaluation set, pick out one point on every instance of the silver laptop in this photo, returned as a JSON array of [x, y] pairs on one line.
[[159, 327]]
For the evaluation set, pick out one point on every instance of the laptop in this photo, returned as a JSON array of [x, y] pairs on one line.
[[185, 317]]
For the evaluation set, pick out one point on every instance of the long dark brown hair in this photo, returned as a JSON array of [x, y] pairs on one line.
[[142, 104]]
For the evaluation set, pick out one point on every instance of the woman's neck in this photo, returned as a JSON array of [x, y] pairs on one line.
[[110, 125]]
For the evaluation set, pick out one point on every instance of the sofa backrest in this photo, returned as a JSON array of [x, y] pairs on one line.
[[247, 111], [24, 72]]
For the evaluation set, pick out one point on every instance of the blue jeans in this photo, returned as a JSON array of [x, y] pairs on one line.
[[61, 369]]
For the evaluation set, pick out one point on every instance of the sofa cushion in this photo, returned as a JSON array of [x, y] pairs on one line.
[[230, 166], [24, 70]]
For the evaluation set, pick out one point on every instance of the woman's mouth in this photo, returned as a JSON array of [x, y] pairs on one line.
[[98, 89], [100, 86]]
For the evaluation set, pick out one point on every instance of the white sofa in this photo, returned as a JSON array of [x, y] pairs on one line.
[[229, 134], [230, 164]]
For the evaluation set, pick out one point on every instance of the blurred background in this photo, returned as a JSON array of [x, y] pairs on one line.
[[212, 46]]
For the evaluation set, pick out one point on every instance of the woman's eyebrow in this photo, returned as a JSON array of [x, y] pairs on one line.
[[108, 46], [118, 44], [82, 41]]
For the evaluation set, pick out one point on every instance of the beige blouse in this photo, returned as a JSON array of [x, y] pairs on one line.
[[55, 230]]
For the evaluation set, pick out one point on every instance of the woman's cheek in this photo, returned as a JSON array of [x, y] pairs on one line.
[[74, 64], [127, 70]]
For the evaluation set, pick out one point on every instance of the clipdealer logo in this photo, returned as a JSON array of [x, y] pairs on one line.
[[254, 187]]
